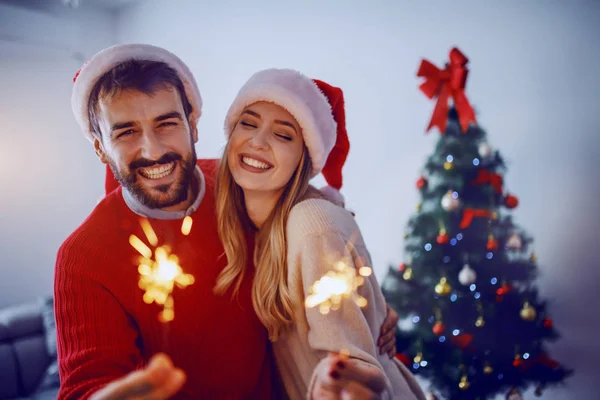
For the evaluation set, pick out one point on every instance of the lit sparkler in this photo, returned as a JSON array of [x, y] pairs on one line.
[[338, 284], [161, 273]]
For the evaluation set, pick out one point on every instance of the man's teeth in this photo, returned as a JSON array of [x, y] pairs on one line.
[[157, 171], [254, 163]]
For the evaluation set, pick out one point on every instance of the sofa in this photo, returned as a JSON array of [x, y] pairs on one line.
[[28, 365]]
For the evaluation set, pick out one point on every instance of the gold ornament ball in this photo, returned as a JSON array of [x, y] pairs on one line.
[[533, 257], [527, 312], [488, 369], [480, 322], [418, 358], [443, 288], [464, 383], [418, 207], [448, 165], [407, 274]]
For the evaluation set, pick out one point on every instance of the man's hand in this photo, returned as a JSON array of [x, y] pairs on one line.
[[338, 378], [159, 380], [387, 336]]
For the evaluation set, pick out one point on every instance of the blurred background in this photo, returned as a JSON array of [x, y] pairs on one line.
[[533, 81]]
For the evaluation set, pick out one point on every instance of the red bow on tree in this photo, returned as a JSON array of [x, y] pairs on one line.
[[449, 82], [485, 176], [469, 214]]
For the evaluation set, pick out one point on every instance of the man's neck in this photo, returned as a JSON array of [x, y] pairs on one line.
[[195, 196], [259, 205]]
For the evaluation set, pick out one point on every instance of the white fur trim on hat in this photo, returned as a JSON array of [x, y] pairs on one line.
[[301, 97], [333, 195], [110, 57]]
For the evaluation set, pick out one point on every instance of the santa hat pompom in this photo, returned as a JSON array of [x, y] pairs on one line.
[[333, 195]]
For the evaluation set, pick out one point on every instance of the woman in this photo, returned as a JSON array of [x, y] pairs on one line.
[[283, 129]]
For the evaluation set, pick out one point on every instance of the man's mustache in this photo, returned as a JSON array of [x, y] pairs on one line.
[[165, 159]]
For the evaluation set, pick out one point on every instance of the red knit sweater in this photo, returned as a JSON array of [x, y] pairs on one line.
[[105, 330]]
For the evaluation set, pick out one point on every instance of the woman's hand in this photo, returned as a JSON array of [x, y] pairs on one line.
[[337, 377], [387, 336]]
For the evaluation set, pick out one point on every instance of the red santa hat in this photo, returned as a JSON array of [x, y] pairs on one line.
[[104, 61], [317, 107]]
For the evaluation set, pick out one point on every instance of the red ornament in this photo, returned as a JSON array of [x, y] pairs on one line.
[[492, 244], [402, 267], [518, 363], [403, 358], [548, 324], [502, 291], [421, 183], [485, 176], [445, 84], [462, 341], [443, 237], [438, 328], [511, 201]]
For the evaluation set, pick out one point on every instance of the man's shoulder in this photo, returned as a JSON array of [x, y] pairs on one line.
[[209, 168], [99, 226]]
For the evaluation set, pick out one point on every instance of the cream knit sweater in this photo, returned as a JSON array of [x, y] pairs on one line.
[[318, 232]]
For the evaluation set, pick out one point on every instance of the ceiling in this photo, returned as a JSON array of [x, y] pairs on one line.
[[108, 5]]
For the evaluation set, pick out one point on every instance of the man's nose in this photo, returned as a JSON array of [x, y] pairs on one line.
[[152, 148]]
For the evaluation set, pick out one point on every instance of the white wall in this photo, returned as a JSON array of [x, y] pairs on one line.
[[49, 179], [533, 80]]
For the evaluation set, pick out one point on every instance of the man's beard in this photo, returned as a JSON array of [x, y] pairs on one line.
[[176, 192]]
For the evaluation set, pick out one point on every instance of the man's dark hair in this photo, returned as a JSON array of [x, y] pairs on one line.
[[143, 75]]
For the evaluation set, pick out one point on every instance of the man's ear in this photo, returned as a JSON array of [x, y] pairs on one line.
[[193, 129], [98, 146]]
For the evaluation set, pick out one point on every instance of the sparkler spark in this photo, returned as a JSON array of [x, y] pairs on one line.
[[160, 275], [338, 284]]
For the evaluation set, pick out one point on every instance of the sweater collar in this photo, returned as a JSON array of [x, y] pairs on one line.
[[156, 213]]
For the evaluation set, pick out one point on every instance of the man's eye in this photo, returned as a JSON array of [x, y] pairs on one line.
[[124, 133], [168, 124]]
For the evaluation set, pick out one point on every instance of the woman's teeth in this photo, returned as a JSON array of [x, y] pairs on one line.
[[255, 163], [157, 171]]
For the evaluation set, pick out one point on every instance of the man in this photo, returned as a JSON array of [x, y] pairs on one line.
[[139, 106]]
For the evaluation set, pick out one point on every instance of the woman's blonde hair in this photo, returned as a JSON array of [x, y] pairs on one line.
[[270, 294]]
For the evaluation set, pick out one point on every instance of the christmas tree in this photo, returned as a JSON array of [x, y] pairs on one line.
[[474, 324]]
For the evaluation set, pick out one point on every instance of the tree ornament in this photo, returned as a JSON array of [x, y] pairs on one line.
[[547, 323], [484, 150], [408, 273], [418, 207], [418, 358], [502, 291], [488, 369], [448, 165], [511, 201], [405, 235], [421, 183], [464, 383], [402, 267], [467, 275], [533, 257], [514, 242], [443, 237], [443, 288], [403, 358], [450, 201], [438, 328], [492, 244], [518, 361], [480, 322], [528, 313], [514, 394]]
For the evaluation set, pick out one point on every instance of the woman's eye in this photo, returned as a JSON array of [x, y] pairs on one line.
[[284, 137], [248, 124]]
